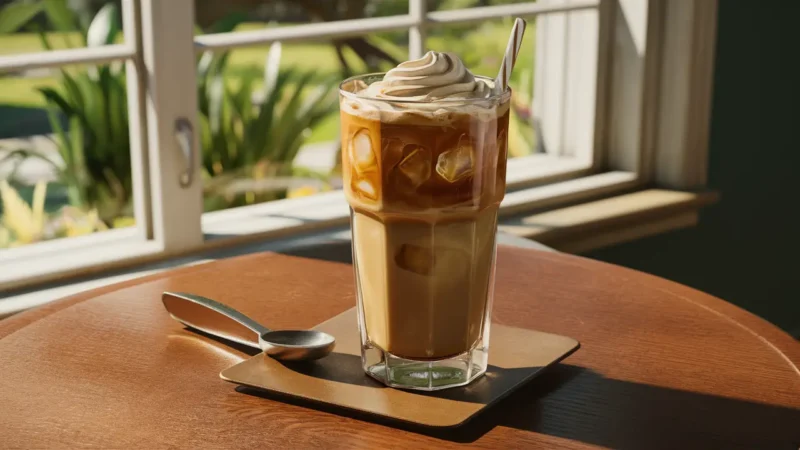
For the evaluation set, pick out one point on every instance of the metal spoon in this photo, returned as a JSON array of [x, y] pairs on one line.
[[223, 321]]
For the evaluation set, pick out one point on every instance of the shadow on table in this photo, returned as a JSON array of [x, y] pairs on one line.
[[579, 404]]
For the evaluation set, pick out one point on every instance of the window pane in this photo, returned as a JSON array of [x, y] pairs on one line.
[[260, 146], [249, 158], [65, 165], [37, 26], [211, 14]]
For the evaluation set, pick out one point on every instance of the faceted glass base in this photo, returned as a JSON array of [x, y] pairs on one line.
[[403, 373]]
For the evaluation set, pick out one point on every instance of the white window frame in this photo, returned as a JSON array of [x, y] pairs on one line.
[[621, 100]]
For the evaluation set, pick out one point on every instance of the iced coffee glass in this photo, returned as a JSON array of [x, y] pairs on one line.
[[424, 180]]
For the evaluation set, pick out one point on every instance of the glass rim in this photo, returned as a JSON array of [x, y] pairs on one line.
[[502, 96]]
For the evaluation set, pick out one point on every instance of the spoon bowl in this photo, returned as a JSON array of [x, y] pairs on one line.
[[296, 345]]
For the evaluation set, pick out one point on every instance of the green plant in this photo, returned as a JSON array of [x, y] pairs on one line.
[[247, 144], [251, 135], [94, 150], [61, 15], [17, 14]]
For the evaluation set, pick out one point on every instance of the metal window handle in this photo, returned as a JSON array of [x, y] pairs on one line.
[[185, 135]]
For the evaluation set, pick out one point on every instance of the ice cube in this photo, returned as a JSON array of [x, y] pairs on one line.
[[361, 153], [366, 189], [415, 258], [426, 259], [456, 164], [416, 166], [391, 151]]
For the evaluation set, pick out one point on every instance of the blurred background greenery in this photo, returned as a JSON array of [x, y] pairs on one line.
[[259, 106]]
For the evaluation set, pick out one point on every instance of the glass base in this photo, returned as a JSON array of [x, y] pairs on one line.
[[403, 373]]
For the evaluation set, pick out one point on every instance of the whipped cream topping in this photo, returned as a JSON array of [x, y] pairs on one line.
[[434, 76]]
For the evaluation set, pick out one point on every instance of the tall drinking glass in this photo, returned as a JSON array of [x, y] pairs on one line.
[[424, 181]]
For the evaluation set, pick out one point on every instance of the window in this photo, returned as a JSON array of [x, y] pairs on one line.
[[88, 84], [602, 105]]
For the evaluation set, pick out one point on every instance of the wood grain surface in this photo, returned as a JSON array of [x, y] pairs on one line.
[[661, 365]]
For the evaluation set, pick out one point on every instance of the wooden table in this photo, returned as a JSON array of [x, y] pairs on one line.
[[661, 365]]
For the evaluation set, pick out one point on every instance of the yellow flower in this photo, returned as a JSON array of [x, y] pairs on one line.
[[303, 191], [25, 221]]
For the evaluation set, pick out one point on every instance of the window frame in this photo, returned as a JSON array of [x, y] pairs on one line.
[[639, 127]]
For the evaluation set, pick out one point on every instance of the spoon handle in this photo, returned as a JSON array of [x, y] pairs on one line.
[[213, 317]]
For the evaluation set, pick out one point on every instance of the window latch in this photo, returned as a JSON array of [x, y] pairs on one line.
[[184, 134]]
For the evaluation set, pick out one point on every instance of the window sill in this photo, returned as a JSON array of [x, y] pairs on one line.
[[65, 259], [611, 221], [574, 229]]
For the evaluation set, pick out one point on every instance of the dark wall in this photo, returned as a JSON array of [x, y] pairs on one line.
[[747, 248]]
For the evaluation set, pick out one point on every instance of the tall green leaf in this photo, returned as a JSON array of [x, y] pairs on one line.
[[16, 15], [216, 97], [287, 126], [315, 106], [60, 16], [261, 130], [242, 98], [77, 147], [72, 91], [63, 144], [43, 39], [53, 96]]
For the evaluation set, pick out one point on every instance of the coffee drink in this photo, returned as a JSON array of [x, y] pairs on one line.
[[424, 160]]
